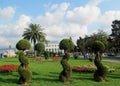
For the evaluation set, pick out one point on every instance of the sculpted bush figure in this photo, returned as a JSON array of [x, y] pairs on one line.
[[24, 70], [66, 72], [101, 71]]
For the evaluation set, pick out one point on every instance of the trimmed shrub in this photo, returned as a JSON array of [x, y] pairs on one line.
[[76, 56], [24, 70], [101, 72], [46, 54], [66, 72], [23, 44]]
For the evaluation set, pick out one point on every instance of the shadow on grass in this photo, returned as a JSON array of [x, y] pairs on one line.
[[117, 76], [51, 77], [9, 80], [83, 76], [34, 73], [46, 79]]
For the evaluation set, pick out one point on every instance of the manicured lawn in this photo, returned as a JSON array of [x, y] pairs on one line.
[[47, 73]]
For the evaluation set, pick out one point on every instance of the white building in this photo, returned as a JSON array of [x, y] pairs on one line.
[[10, 53], [53, 47], [7, 52]]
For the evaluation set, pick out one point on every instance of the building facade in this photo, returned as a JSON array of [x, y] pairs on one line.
[[53, 47]]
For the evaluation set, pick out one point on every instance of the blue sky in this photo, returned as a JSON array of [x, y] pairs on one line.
[[60, 18]]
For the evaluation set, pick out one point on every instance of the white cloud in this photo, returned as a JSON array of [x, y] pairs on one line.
[[83, 15], [55, 16], [7, 12], [22, 23], [11, 33], [4, 42], [106, 19], [61, 22]]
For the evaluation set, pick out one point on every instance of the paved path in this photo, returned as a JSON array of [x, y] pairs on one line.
[[112, 60]]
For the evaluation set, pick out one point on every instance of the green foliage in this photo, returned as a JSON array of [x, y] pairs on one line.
[[23, 59], [76, 56], [46, 54], [67, 45], [34, 34], [114, 39], [25, 73], [91, 59], [66, 56], [66, 72], [84, 44], [23, 44], [101, 71], [23, 70], [98, 46], [40, 47]]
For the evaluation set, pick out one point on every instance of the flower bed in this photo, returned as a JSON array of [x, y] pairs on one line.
[[83, 69], [8, 67], [90, 68]]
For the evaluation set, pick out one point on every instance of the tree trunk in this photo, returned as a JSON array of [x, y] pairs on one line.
[[34, 51]]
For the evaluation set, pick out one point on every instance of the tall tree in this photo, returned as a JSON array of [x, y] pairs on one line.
[[81, 45], [115, 36], [34, 33], [84, 44], [101, 36]]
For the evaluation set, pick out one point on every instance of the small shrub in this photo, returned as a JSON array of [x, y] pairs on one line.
[[76, 56], [46, 54]]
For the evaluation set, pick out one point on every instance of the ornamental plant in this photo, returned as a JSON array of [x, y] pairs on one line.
[[101, 72], [24, 70], [83, 69], [46, 54], [66, 72]]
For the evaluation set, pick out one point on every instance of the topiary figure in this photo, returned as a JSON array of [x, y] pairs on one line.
[[24, 70], [101, 71], [66, 72]]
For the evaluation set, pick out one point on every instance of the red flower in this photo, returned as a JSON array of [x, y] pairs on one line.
[[8, 67]]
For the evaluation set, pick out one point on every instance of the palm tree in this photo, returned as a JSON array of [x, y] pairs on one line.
[[34, 34]]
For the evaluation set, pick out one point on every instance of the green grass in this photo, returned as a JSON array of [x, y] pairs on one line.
[[47, 73]]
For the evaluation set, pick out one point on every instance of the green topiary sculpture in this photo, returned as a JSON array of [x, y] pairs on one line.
[[24, 70], [101, 71], [66, 72]]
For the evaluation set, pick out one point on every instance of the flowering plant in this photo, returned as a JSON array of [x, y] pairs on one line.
[[8, 67], [83, 68], [91, 68]]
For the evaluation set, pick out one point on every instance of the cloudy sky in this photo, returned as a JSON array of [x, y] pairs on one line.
[[59, 18]]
